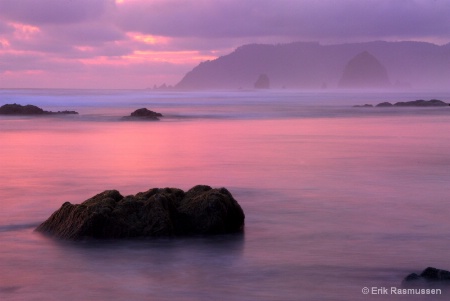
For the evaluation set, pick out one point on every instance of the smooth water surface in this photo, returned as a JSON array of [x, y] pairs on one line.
[[336, 198]]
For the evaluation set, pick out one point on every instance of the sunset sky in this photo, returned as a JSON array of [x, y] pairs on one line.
[[140, 43]]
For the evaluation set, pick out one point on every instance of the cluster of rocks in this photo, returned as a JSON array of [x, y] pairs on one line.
[[16, 109], [31, 110], [158, 212], [414, 103], [428, 275]]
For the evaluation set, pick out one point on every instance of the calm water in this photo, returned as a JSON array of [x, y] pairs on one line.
[[336, 198]]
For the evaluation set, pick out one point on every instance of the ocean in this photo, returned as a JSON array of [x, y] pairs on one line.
[[341, 203]]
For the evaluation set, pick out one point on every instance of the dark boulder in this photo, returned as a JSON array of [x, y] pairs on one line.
[[16, 109], [430, 274], [143, 114], [155, 213]]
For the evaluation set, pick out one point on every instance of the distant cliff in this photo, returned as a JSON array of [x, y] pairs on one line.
[[312, 66]]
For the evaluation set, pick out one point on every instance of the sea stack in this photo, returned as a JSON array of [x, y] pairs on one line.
[[262, 82], [364, 71]]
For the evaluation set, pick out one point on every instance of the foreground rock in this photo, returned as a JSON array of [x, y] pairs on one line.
[[430, 274], [16, 109], [415, 103], [143, 114], [155, 213]]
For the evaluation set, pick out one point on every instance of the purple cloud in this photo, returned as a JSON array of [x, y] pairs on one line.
[[87, 33], [53, 11], [307, 19]]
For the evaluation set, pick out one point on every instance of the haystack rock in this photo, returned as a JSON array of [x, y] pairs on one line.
[[158, 212], [364, 71]]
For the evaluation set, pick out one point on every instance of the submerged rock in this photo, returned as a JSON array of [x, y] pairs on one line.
[[158, 212], [430, 274], [143, 114], [16, 109]]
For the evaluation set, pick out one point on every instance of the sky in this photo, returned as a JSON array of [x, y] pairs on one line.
[[137, 44]]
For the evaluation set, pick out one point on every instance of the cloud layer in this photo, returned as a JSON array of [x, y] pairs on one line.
[[137, 43]]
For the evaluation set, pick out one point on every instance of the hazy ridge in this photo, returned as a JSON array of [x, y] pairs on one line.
[[312, 65]]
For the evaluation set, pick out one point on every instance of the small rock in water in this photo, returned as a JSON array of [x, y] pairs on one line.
[[143, 114]]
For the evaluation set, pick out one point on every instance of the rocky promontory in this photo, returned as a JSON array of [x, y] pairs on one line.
[[17, 109], [158, 212], [143, 114]]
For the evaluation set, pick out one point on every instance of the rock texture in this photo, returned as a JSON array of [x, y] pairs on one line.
[[430, 274], [158, 212], [143, 114], [364, 71], [16, 109]]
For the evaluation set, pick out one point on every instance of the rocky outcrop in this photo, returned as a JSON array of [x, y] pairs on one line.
[[422, 103], [384, 104], [364, 71], [16, 109], [364, 106], [143, 114], [415, 103], [430, 274], [158, 212]]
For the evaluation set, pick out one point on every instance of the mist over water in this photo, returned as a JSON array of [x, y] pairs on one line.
[[336, 198]]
